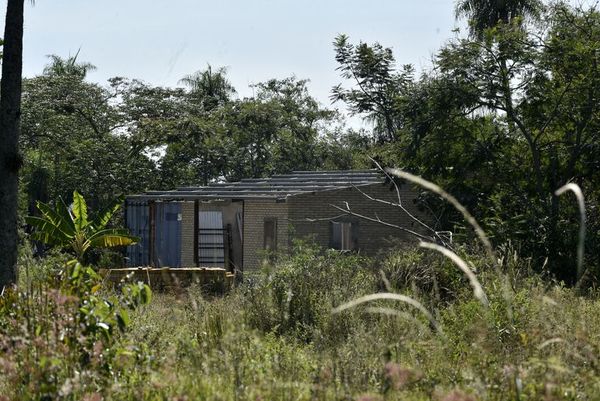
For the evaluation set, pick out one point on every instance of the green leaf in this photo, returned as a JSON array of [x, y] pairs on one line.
[[104, 217], [110, 237], [123, 319], [47, 232], [146, 294], [79, 211], [60, 217]]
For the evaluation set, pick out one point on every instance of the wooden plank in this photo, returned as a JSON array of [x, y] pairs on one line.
[[210, 279]]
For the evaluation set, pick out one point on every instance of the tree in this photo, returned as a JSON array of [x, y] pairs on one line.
[[542, 88], [501, 22], [70, 227], [80, 135], [209, 89], [68, 67], [10, 159], [276, 131], [485, 14], [503, 120], [378, 85]]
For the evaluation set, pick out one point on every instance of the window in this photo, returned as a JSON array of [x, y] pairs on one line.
[[211, 247], [343, 235], [270, 234]]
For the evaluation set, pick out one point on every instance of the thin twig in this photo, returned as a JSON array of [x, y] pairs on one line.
[[454, 202], [312, 220], [399, 205], [385, 223]]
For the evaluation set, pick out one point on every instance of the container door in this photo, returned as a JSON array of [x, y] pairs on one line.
[[167, 234], [138, 225], [211, 247]]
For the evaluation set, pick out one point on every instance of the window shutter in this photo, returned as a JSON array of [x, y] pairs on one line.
[[270, 234], [335, 236], [354, 245]]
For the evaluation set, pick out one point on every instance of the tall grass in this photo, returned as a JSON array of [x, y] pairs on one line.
[[582, 221], [278, 339]]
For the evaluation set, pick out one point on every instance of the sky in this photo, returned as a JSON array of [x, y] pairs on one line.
[[161, 41]]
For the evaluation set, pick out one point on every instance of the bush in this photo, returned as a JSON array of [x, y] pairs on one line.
[[424, 274], [298, 295], [60, 338]]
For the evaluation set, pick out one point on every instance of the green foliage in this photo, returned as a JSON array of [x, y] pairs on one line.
[[424, 274], [274, 132], [482, 14], [129, 136], [73, 132], [301, 292], [209, 89], [69, 227], [505, 117], [275, 338], [61, 336], [380, 86], [67, 67]]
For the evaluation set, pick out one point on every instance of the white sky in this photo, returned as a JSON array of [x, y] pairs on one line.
[[161, 41]]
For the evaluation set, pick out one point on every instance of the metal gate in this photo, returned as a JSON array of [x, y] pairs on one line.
[[167, 234], [211, 233], [139, 225]]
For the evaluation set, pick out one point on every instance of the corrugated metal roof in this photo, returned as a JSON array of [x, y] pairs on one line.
[[276, 187]]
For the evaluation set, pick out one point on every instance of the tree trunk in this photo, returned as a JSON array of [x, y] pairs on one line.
[[10, 159], [513, 121]]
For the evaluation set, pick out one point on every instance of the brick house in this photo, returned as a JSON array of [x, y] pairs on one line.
[[235, 225]]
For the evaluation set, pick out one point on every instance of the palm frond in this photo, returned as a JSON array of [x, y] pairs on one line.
[[60, 218], [79, 210], [104, 216], [47, 232], [110, 237]]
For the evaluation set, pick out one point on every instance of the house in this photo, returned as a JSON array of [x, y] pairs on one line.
[[236, 224]]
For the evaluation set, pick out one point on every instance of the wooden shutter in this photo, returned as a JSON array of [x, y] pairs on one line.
[[343, 235], [335, 237], [270, 234]]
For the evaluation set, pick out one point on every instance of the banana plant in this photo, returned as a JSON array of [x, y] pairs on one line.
[[70, 227]]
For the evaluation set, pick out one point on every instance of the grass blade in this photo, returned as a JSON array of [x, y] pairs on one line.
[[581, 204], [454, 202], [393, 297], [462, 265]]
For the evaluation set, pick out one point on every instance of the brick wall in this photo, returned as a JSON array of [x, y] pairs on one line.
[[371, 236], [255, 212], [187, 234], [292, 220]]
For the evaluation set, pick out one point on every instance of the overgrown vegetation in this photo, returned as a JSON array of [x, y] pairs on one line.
[[69, 227], [276, 338], [509, 113]]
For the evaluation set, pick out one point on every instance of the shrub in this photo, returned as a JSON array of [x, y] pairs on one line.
[[298, 295], [424, 274], [62, 341]]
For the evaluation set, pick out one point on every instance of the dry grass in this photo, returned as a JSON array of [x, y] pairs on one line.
[[581, 205], [462, 265], [278, 340]]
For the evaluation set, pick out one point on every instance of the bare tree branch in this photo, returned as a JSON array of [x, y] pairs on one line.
[[348, 211], [399, 204]]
